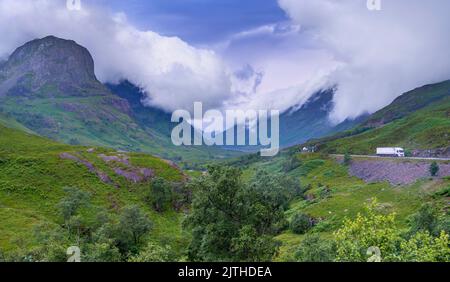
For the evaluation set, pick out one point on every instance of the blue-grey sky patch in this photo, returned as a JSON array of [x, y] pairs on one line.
[[199, 21]]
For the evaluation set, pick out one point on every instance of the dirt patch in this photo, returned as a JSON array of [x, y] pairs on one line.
[[395, 172]]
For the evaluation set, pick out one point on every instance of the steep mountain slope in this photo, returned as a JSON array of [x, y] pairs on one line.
[[418, 120], [311, 120], [150, 117], [410, 102], [49, 86], [34, 171]]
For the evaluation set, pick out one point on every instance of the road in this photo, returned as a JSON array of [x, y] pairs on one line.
[[403, 158]]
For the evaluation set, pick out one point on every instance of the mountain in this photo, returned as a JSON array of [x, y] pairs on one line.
[[145, 116], [418, 120], [311, 120], [49, 86], [410, 102]]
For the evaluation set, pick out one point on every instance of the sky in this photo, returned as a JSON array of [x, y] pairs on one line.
[[199, 22], [252, 54]]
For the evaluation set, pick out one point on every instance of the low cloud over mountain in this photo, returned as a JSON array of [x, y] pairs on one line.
[[371, 56]]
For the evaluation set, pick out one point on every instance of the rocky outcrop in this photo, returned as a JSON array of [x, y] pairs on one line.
[[131, 173], [51, 61], [101, 175], [135, 175]]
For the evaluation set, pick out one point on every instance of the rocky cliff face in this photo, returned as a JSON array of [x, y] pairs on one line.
[[49, 86], [50, 67]]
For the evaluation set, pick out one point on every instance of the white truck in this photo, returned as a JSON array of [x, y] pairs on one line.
[[390, 152]]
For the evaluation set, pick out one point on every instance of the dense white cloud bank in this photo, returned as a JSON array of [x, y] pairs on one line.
[[371, 56], [173, 73], [379, 54]]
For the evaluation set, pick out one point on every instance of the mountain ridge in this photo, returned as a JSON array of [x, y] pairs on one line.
[[44, 91], [418, 120]]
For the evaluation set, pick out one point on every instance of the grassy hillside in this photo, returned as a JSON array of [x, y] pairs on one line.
[[333, 195], [96, 121], [419, 119], [33, 175], [428, 128], [410, 102]]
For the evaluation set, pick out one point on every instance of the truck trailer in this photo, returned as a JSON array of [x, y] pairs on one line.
[[390, 152]]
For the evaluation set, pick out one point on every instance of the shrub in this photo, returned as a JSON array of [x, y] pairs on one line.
[[313, 248], [434, 169], [347, 159], [300, 223], [292, 163], [74, 200], [133, 225], [355, 237], [160, 194], [426, 219], [154, 253]]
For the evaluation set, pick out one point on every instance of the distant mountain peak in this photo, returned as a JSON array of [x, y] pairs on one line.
[[47, 62]]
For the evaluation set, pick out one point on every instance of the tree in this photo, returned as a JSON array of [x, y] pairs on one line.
[[133, 225], [313, 248], [52, 242], [249, 246], [300, 223], [276, 189], [347, 159], [160, 194], [434, 168], [230, 221], [101, 252], [74, 200]]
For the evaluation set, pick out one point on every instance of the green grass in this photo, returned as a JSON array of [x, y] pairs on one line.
[[347, 197], [94, 121], [428, 128], [32, 177]]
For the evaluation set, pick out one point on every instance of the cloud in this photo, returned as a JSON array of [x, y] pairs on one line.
[[372, 57], [173, 73], [283, 64], [378, 54]]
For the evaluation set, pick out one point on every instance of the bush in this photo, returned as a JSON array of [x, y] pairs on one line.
[[231, 221], [426, 219], [356, 236], [434, 169], [154, 253], [74, 200], [300, 223], [160, 194], [292, 163], [133, 225], [315, 249], [347, 159]]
